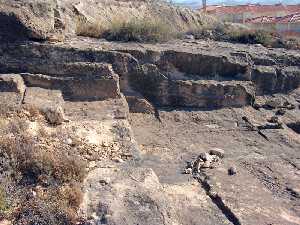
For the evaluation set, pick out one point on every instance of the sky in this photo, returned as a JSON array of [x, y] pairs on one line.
[[240, 1]]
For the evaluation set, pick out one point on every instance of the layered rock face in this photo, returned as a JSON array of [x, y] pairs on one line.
[[101, 70]]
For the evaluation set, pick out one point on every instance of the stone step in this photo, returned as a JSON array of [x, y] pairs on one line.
[[42, 98], [163, 91], [97, 110], [78, 88], [37, 58]]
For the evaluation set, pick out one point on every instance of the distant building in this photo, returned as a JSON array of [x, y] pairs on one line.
[[288, 25], [282, 18], [240, 13]]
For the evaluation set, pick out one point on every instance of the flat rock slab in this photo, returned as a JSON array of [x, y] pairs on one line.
[[42, 98], [78, 89], [135, 196], [266, 186], [97, 110], [245, 200]]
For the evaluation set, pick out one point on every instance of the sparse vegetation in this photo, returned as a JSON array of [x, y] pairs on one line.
[[55, 176], [139, 30], [241, 34]]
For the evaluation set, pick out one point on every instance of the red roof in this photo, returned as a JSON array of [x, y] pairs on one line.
[[292, 18], [254, 8]]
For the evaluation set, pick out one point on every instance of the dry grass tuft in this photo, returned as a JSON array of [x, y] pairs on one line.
[[138, 30], [242, 34]]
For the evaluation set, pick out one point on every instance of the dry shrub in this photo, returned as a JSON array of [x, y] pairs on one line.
[[88, 29], [56, 170], [39, 212], [135, 30], [140, 30], [239, 33], [37, 165]]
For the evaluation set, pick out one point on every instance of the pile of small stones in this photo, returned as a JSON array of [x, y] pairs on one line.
[[205, 160]]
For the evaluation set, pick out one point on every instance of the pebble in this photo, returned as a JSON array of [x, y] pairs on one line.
[[281, 112], [94, 216], [69, 141], [92, 164], [206, 164], [232, 171], [118, 160], [188, 171], [105, 144], [205, 156]]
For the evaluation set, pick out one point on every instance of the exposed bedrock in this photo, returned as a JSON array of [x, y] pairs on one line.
[[191, 76], [192, 93]]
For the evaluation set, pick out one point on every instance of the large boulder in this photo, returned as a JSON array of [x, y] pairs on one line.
[[12, 90], [26, 20], [48, 102]]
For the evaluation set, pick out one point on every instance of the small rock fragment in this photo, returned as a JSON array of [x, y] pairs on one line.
[[188, 170], [274, 119], [118, 160], [232, 171], [273, 103], [69, 141], [217, 152], [206, 164], [205, 156], [54, 115], [281, 112]]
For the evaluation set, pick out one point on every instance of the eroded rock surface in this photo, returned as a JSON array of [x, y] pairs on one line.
[[136, 114]]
